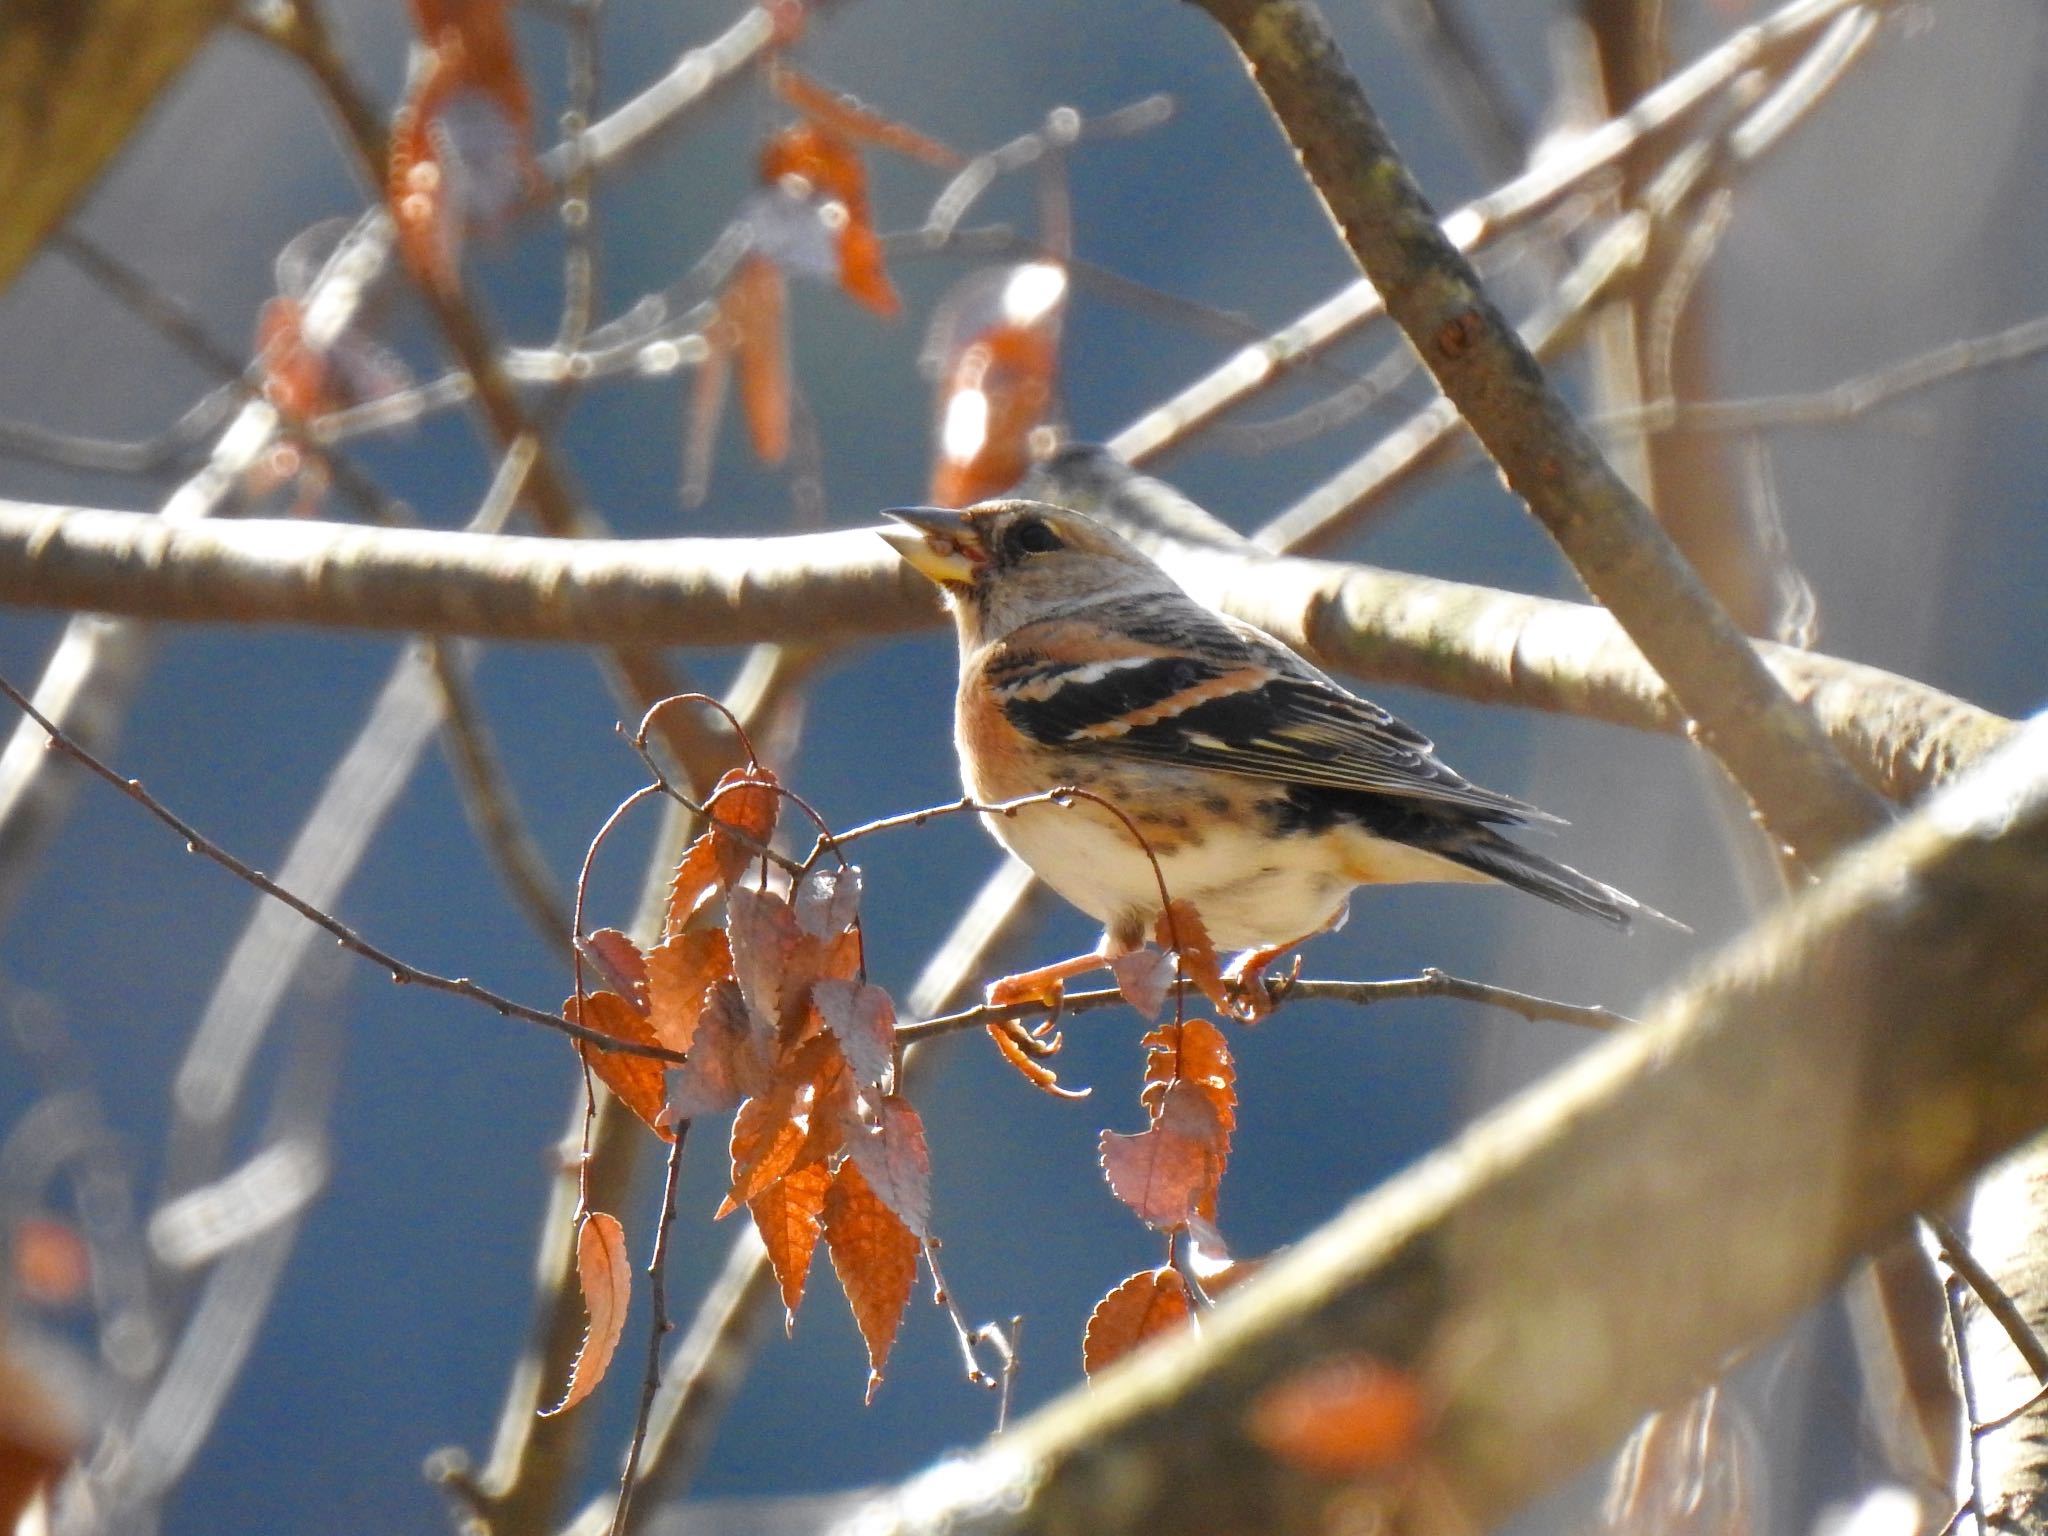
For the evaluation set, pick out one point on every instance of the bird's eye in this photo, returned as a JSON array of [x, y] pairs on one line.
[[1034, 537]]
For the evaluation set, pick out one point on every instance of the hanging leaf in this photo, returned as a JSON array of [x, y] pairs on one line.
[[1194, 1053], [863, 1020], [789, 1215], [726, 1061], [1143, 975], [751, 328], [1168, 1173], [1149, 1303], [605, 1274], [636, 1080], [1181, 928], [680, 972], [895, 1161], [620, 964], [875, 1257], [993, 348], [767, 953], [828, 901]]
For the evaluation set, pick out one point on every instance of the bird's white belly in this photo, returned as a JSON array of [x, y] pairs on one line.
[[1249, 889]]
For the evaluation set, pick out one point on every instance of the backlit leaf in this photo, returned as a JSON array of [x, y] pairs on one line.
[[750, 326], [1143, 976], [620, 965], [637, 1080], [828, 901], [863, 1020], [726, 1061], [895, 1161], [766, 1137], [789, 1215], [605, 1275], [1149, 1303], [766, 949], [1181, 928], [679, 973], [875, 1257], [1168, 1173], [744, 807], [1194, 1053]]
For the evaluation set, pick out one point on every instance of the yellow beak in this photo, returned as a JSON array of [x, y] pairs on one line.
[[938, 543]]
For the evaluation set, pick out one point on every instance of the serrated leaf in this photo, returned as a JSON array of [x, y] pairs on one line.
[[680, 974], [863, 1020], [1168, 1173], [895, 1160], [767, 951], [789, 1215], [766, 1137], [637, 1080], [1149, 1303], [875, 1257], [605, 1275], [743, 809], [1143, 975], [726, 1063], [1194, 1053], [619, 964], [1180, 928], [828, 900]]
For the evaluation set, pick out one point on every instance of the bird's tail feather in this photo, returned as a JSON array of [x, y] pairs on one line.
[[1488, 853]]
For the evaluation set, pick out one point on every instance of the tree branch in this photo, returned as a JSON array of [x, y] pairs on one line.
[[1602, 1244], [1453, 637], [1772, 748]]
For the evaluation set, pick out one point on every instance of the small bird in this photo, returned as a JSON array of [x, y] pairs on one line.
[[1265, 791]]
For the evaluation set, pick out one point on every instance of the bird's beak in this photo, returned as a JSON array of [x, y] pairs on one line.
[[940, 544]]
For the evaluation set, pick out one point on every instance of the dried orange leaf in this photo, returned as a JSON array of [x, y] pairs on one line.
[[788, 1214], [680, 973], [1143, 976], [620, 965], [637, 1080], [750, 310], [726, 1062], [863, 1020], [743, 809], [845, 116], [605, 1274], [1151, 1302], [1168, 1173], [52, 1264], [767, 954], [875, 1257], [828, 901], [766, 1137], [1347, 1417], [1194, 1053], [895, 1161], [1180, 928]]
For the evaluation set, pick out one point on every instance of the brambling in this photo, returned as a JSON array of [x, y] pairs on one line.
[[1265, 791]]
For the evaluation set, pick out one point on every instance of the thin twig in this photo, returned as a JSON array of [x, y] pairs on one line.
[[1955, 1252], [1431, 983], [658, 1326], [402, 973]]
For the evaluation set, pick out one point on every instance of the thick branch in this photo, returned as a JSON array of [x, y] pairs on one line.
[[1772, 748], [1453, 637], [1601, 1245]]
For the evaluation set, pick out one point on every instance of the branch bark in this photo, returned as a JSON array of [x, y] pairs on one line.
[[1602, 1244], [1774, 750], [1452, 637]]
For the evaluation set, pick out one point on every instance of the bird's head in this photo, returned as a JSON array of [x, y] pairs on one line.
[[1004, 564]]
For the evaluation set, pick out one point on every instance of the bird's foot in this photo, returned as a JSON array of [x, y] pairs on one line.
[[1045, 986], [1247, 993]]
